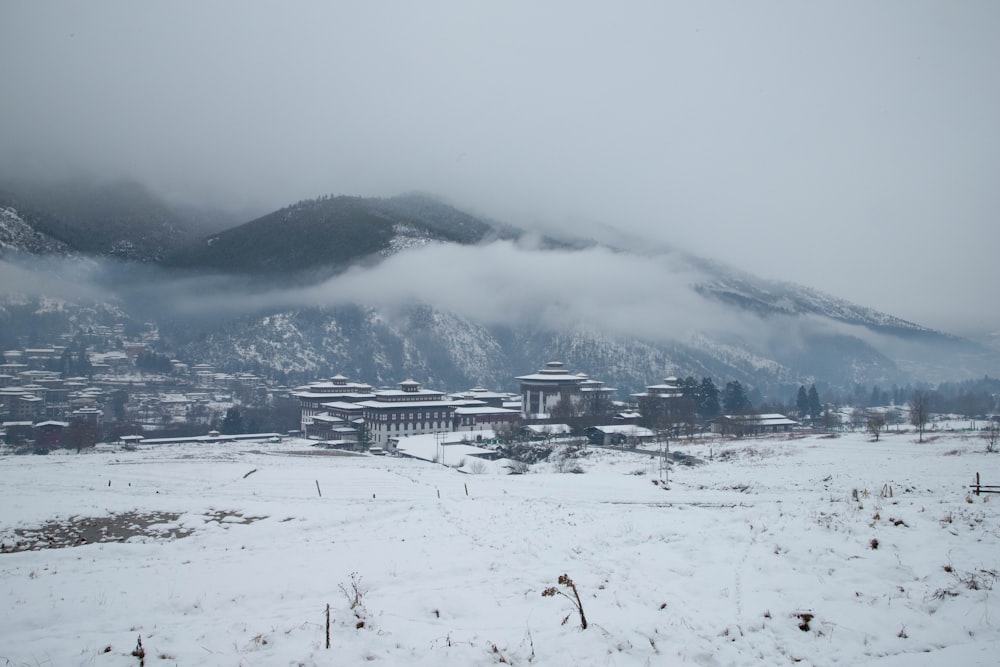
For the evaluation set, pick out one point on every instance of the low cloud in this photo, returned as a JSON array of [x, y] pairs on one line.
[[55, 278], [501, 283]]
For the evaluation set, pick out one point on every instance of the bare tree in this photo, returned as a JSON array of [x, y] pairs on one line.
[[687, 415], [991, 434], [80, 434], [859, 419], [920, 411], [597, 404], [508, 432], [892, 417], [564, 410], [830, 419], [875, 423]]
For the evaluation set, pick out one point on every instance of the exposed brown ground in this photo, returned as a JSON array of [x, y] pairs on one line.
[[77, 531]]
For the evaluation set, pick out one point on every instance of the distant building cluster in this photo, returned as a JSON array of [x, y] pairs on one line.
[[341, 412], [67, 396], [338, 412]]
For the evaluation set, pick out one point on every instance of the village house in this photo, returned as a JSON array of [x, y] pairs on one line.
[[480, 417], [752, 424], [539, 432], [619, 435], [49, 434], [667, 390], [445, 448]]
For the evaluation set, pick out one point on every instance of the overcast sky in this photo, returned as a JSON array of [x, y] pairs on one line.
[[849, 146]]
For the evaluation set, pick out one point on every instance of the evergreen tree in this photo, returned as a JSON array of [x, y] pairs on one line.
[[708, 399], [873, 399], [815, 407], [83, 366], [118, 401], [654, 413], [734, 398], [802, 402], [232, 424], [690, 388]]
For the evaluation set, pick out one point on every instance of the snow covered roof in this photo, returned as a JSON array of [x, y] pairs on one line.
[[343, 405], [554, 371], [468, 402], [407, 405], [769, 419], [327, 394], [212, 438], [598, 389], [550, 377], [327, 418], [549, 429], [484, 410], [387, 393], [625, 429], [448, 448], [478, 394]]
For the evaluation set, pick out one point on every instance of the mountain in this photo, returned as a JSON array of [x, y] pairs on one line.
[[20, 235], [445, 349], [117, 219], [315, 238], [267, 296]]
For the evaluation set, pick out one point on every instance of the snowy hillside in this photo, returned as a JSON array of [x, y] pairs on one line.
[[449, 350], [780, 298], [16, 234], [811, 551]]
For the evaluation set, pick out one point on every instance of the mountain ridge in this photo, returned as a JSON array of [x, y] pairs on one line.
[[802, 334]]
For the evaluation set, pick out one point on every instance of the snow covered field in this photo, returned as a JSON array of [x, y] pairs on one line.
[[763, 555]]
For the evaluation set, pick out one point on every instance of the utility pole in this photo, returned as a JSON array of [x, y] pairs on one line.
[[664, 463]]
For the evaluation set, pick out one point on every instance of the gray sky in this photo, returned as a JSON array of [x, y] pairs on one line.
[[848, 146]]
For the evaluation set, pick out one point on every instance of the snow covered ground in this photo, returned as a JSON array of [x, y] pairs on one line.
[[763, 555]]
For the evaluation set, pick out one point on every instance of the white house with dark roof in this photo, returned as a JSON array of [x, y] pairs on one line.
[[620, 434], [481, 417], [752, 424], [483, 396], [668, 389]]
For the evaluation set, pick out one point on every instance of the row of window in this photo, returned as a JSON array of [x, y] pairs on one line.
[[410, 416], [409, 426]]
